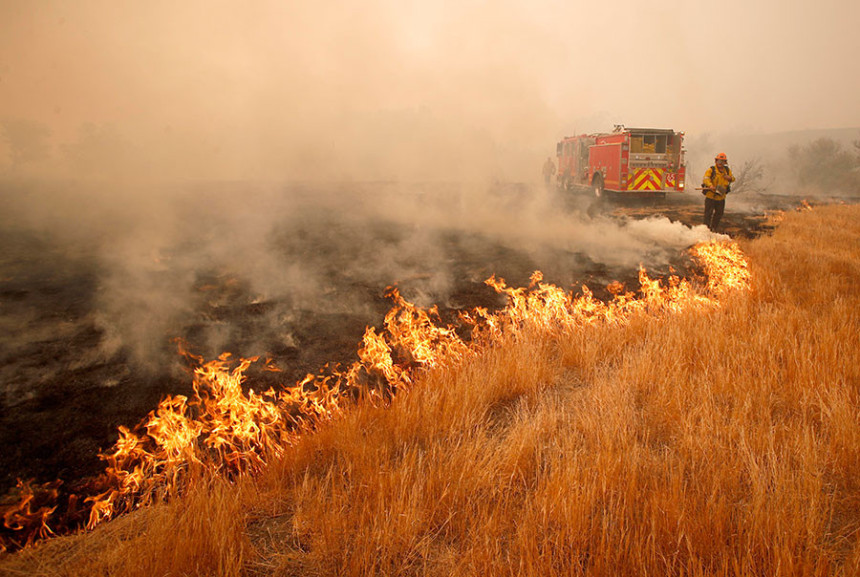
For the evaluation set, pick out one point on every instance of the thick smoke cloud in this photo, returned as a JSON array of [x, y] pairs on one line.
[[200, 146], [443, 91], [283, 90], [187, 262]]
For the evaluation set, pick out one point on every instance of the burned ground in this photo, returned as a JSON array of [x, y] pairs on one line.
[[87, 346]]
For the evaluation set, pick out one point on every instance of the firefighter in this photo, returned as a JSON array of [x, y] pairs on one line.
[[548, 170], [716, 184]]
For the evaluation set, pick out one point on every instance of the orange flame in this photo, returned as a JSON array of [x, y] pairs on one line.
[[726, 267], [226, 429], [29, 515]]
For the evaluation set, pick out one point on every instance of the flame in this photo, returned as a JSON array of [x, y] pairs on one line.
[[549, 307], [227, 429], [726, 267], [29, 516]]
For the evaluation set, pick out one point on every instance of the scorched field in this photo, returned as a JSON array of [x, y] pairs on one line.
[[702, 424]]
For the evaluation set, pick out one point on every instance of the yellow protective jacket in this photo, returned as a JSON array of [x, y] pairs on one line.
[[718, 180]]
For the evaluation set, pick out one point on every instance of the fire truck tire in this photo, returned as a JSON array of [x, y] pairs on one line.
[[597, 186]]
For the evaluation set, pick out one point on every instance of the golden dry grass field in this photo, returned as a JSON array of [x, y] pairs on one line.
[[720, 440]]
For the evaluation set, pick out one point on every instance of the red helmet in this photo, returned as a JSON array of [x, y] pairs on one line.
[[721, 156]]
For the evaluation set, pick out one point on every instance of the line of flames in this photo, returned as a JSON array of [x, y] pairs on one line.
[[223, 428]]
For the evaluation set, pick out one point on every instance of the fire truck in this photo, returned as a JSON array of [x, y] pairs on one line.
[[640, 162]]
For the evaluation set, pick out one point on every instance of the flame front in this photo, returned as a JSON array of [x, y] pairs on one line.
[[225, 429]]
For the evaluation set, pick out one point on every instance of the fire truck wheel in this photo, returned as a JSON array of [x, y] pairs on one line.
[[597, 186]]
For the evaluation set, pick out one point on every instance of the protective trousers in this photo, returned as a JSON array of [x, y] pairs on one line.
[[713, 212]]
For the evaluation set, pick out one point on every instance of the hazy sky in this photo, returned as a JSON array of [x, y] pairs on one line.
[[400, 89]]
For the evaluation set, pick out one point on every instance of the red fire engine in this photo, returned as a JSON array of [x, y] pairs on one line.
[[629, 161]]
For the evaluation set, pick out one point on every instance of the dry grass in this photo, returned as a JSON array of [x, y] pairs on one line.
[[723, 442]]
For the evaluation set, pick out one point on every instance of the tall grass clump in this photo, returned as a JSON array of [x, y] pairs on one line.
[[711, 440]]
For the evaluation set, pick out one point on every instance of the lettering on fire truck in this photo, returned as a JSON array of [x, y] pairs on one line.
[[629, 161]]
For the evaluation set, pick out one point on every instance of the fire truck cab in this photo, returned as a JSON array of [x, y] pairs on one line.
[[641, 162]]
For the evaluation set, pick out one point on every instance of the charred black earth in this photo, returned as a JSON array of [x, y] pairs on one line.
[[93, 292]]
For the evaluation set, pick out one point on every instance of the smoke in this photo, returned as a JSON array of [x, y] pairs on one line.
[[282, 162], [281, 91], [539, 221], [244, 266]]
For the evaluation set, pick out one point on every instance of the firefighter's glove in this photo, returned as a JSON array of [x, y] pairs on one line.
[[721, 189]]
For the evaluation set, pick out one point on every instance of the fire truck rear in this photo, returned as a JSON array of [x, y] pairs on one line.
[[641, 162]]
